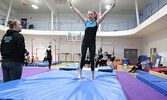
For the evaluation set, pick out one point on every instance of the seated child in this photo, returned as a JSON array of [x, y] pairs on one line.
[[36, 61]]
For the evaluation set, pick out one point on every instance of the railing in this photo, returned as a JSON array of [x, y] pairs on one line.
[[2, 20], [151, 8]]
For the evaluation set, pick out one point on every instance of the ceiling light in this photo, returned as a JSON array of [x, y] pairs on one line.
[[107, 6], [35, 6]]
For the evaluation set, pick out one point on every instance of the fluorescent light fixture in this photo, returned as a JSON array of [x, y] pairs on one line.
[[35, 6], [70, 7], [107, 6]]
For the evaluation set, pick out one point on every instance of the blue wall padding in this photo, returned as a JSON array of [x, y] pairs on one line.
[[143, 57], [157, 57], [71, 67], [155, 82], [125, 61], [64, 85]]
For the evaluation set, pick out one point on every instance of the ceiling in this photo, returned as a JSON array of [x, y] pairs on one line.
[[61, 6]]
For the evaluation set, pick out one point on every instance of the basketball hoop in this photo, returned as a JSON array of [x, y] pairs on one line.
[[74, 37]]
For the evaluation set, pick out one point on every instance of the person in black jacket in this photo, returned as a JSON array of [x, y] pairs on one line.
[[138, 66], [49, 56], [12, 51]]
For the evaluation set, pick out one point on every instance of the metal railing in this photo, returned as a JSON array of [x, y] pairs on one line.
[[150, 9]]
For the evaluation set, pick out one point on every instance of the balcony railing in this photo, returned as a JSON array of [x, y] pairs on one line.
[[150, 9]]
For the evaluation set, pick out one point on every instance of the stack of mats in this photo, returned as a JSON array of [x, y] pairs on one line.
[[63, 85], [155, 82], [105, 69], [71, 67], [160, 70]]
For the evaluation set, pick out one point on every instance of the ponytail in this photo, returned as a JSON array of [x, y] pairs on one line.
[[96, 15]]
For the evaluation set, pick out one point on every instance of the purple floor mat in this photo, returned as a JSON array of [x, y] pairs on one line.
[[28, 72], [137, 90]]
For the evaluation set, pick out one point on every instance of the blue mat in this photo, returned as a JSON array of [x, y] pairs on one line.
[[142, 72], [71, 67], [105, 69], [44, 64], [30, 64], [58, 62], [63, 85], [155, 82]]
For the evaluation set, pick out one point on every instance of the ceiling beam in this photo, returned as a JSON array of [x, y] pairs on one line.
[[51, 7]]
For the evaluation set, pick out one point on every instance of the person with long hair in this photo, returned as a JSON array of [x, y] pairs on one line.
[[89, 40], [13, 51]]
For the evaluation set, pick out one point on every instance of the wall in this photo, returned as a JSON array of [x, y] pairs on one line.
[[156, 40], [39, 20], [106, 43], [119, 44]]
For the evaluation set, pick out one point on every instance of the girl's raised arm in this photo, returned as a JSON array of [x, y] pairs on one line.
[[78, 12], [106, 12]]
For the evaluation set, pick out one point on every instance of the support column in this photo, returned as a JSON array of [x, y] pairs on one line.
[[52, 21], [137, 12], [56, 24], [7, 17]]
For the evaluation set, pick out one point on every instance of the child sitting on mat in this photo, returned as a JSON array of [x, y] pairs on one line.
[[111, 64]]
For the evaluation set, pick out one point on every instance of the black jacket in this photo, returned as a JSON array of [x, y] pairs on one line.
[[13, 47]]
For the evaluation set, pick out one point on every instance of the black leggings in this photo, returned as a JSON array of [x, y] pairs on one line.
[[91, 46], [50, 62]]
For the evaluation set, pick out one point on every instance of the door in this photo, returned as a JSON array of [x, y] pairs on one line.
[[131, 54], [24, 23]]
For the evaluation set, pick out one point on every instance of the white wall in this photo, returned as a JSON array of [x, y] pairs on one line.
[[39, 20], [156, 40], [120, 44], [106, 43], [42, 43]]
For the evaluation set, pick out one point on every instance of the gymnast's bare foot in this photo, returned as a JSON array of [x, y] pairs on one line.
[[92, 76], [80, 74]]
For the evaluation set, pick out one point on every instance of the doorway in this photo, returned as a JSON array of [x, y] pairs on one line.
[[24, 23], [132, 54]]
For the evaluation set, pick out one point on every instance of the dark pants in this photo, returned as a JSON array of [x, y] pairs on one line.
[[103, 63], [50, 62], [98, 63], [91, 47], [134, 68], [11, 70]]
